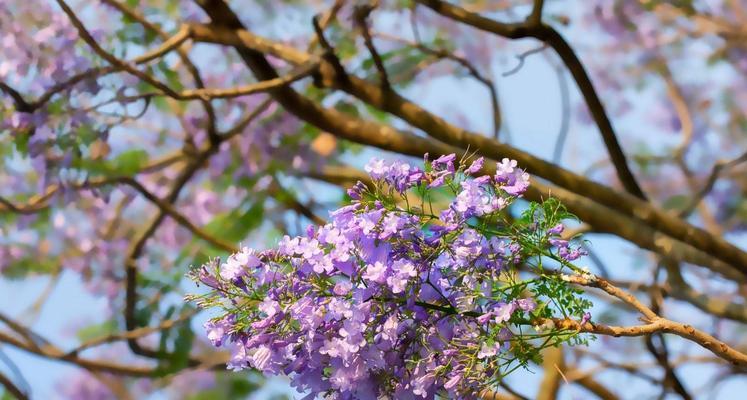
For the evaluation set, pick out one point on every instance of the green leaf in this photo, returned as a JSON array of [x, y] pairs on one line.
[[172, 77], [26, 266], [124, 164], [676, 202], [182, 346], [97, 330], [235, 225], [87, 135], [22, 143], [129, 162]]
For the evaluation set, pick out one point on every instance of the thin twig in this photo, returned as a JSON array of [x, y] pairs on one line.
[[133, 334], [360, 15], [53, 352], [533, 27], [716, 171], [18, 375], [521, 58], [565, 116], [12, 388], [654, 323]]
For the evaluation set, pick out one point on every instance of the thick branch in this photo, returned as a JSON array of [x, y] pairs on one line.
[[552, 365], [388, 100], [183, 55], [533, 27]]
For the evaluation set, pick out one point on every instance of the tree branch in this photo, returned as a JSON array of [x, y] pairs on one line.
[[360, 15], [533, 27], [53, 352], [552, 365], [133, 334], [12, 388], [230, 31], [183, 55], [171, 211], [654, 323]]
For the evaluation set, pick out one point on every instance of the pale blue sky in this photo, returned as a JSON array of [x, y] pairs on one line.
[[530, 105]]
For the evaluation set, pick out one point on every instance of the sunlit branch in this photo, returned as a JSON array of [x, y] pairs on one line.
[[133, 334], [340, 124], [52, 352], [183, 55], [653, 323]]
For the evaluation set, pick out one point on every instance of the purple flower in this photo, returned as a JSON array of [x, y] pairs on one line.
[[439, 180], [504, 311], [205, 275], [527, 304], [342, 288], [511, 179], [239, 263], [376, 272], [453, 381], [391, 224], [505, 168], [487, 351], [444, 162], [218, 330], [385, 291], [569, 254], [556, 230], [505, 334], [403, 271], [560, 243], [475, 167], [399, 175], [288, 245], [475, 199], [484, 318], [261, 358], [517, 184], [356, 192], [377, 168], [269, 307]]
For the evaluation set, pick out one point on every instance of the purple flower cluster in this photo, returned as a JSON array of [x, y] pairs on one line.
[[33, 38], [386, 299], [564, 248], [399, 175], [34, 35]]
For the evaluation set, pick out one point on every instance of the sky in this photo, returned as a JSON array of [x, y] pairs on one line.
[[531, 108]]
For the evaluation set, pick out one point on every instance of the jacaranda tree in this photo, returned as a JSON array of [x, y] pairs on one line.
[[327, 196]]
